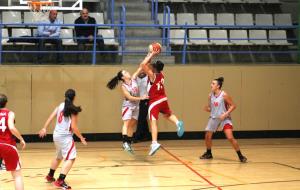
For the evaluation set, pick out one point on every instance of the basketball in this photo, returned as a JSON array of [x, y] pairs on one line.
[[156, 47]]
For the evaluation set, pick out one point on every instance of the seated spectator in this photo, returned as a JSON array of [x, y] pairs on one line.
[[85, 34], [50, 34]]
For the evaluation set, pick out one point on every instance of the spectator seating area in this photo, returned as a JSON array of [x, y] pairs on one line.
[[67, 32], [209, 25], [215, 25]]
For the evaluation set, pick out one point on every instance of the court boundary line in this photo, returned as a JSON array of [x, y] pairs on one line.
[[190, 168], [286, 165], [254, 183]]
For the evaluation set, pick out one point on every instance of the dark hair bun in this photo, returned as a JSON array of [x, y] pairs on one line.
[[221, 79]]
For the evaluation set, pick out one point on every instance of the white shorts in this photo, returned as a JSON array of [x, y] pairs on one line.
[[65, 147], [130, 113], [214, 123]]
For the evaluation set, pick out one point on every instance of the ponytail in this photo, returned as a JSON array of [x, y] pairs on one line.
[[70, 108], [115, 81]]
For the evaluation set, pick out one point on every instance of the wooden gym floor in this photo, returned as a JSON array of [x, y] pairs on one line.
[[273, 164]]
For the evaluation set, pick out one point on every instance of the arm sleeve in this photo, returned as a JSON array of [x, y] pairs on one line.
[[57, 31]]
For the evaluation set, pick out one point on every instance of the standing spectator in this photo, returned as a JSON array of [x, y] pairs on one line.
[[50, 34], [142, 131], [85, 34]]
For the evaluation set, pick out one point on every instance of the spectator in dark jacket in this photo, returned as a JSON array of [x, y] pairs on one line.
[[85, 34]]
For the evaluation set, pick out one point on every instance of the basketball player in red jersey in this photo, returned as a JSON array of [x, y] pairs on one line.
[[158, 101], [8, 150]]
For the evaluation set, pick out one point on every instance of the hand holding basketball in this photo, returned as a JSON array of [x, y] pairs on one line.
[[155, 48]]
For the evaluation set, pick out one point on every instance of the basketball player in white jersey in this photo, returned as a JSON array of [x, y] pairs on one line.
[[66, 124], [130, 107], [220, 106]]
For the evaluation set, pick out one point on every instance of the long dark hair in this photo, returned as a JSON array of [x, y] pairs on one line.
[[3, 100], [158, 66], [220, 81], [115, 81], [70, 108]]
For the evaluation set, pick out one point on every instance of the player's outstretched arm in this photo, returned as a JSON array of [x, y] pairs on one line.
[[43, 131], [14, 130], [132, 98], [75, 129], [145, 65], [137, 72]]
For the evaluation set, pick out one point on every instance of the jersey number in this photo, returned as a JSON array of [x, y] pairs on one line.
[[160, 84], [2, 124], [60, 117]]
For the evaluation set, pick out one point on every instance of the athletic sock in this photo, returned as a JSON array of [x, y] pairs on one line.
[[177, 122], [51, 173], [125, 138], [208, 151], [154, 142], [239, 154], [130, 140], [62, 177]]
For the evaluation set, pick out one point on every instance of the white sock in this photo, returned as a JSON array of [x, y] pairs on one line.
[[154, 142], [177, 122]]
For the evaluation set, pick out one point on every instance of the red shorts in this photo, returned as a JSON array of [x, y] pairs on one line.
[[10, 156], [158, 106]]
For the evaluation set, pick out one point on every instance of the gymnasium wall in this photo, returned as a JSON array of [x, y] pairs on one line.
[[267, 97]]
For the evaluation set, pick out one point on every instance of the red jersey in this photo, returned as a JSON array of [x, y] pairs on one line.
[[156, 89], [5, 134]]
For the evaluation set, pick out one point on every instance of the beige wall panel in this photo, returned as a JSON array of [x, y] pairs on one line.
[[267, 96], [47, 94], [16, 84], [255, 98], [284, 98], [196, 88]]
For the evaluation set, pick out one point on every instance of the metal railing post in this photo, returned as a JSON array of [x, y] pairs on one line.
[[1, 44], [156, 12], [183, 61], [164, 28], [95, 46], [152, 10], [112, 12], [168, 30]]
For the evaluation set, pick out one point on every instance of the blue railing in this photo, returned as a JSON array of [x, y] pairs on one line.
[[165, 38], [111, 10]]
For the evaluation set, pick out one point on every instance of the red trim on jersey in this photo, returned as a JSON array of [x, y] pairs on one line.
[[227, 126], [67, 158], [126, 109], [218, 95]]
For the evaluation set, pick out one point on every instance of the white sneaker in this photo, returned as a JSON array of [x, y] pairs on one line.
[[2, 167], [127, 147], [153, 148]]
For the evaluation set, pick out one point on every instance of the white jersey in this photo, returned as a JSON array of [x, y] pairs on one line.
[[133, 90], [143, 85], [218, 105], [63, 124]]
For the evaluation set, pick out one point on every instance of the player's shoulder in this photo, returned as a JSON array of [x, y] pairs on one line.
[[225, 94], [11, 113]]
